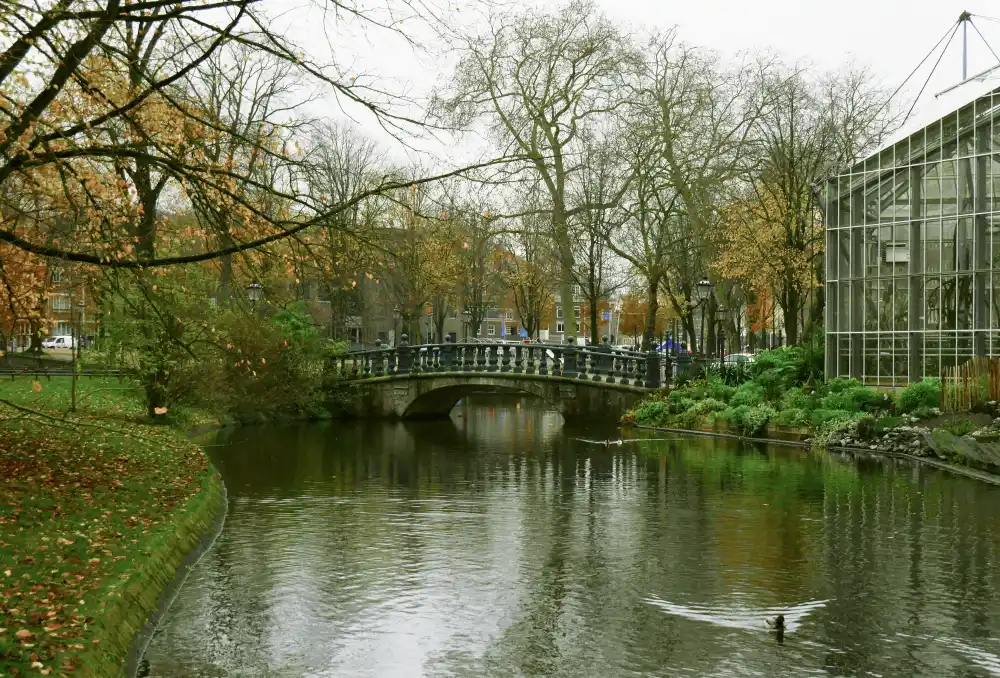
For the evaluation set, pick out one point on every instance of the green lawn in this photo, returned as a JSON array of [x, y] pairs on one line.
[[105, 398], [94, 509], [95, 397]]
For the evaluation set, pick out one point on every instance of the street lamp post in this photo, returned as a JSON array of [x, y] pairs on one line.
[[466, 320], [703, 290], [720, 314]]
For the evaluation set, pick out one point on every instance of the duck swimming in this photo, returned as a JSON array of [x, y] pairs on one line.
[[777, 622]]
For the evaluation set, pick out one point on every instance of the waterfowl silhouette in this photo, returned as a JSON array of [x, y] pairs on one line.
[[777, 622]]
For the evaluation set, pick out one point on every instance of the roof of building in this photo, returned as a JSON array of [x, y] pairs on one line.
[[930, 109]]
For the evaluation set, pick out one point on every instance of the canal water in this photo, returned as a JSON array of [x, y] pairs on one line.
[[501, 543]]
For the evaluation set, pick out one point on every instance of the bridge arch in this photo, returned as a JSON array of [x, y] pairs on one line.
[[441, 401]]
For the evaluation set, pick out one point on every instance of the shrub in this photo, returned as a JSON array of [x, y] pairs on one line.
[[925, 412], [926, 393], [750, 394], [821, 417], [731, 374], [793, 416], [651, 413], [749, 421], [795, 399], [850, 395], [835, 426], [778, 370], [842, 384], [718, 390], [960, 427], [867, 427], [708, 405]]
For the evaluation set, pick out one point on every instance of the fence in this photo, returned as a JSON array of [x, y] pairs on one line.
[[973, 383]]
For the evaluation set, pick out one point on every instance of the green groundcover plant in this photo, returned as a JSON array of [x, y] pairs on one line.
[[783, 387]]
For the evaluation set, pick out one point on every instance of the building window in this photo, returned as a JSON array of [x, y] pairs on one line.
[[57, 275], [510, 315], [559, 313], [60, 302], [560, 327], [491, 330], [63, 329], [578, 327]]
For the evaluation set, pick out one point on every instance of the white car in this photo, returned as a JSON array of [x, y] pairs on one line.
[[735, 358], [58, 341]]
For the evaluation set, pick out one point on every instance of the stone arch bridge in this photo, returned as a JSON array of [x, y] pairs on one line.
[[428, 380]]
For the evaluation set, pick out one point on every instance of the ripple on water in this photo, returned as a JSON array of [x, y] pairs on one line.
[[499, 546]]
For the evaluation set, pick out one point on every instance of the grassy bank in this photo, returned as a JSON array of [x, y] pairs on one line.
[[96, 513]]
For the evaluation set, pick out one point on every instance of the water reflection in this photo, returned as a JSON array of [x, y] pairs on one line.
[[495, 544]]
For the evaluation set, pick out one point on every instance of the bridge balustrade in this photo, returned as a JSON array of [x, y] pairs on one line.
[[602, 364]]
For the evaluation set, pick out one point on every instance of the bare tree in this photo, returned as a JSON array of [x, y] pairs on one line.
[[697, 125], [810, 129], [541, 80], [96, 91], [597, 270], [528, 271], [344, 163]]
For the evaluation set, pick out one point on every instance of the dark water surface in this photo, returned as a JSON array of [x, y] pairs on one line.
[[494, 544]]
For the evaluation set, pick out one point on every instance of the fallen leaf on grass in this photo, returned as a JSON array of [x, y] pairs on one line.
[[24, 633], [36, 387]]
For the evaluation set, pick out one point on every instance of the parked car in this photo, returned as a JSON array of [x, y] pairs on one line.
[[736, 358], [58, 341]]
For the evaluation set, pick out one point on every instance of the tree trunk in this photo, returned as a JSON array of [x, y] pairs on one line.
[[691, 332], [712, 344], [791, 309], [595, 339], [652, 309]]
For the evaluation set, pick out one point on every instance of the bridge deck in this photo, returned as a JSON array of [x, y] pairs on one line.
[[602, 364]]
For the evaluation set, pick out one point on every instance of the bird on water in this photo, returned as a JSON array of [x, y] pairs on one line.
[[777, 622]]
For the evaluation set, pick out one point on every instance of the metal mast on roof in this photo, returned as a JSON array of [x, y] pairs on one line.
[[964, 19]]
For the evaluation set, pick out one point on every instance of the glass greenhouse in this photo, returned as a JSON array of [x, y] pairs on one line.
[[913, 246]]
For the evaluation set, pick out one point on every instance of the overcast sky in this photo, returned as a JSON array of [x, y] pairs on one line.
[[889, 36]]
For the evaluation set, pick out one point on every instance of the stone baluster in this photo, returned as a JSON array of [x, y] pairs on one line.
[[543, 361], [609, 361], [448, 355], [403, 356], [628, 369], [652, 369], [480, 351], [531, 355], [569, 368], [492, 358], [640, 371], [504, 358], [519, 359]]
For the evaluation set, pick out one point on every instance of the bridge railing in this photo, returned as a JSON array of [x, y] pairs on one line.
[[602, 364]]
